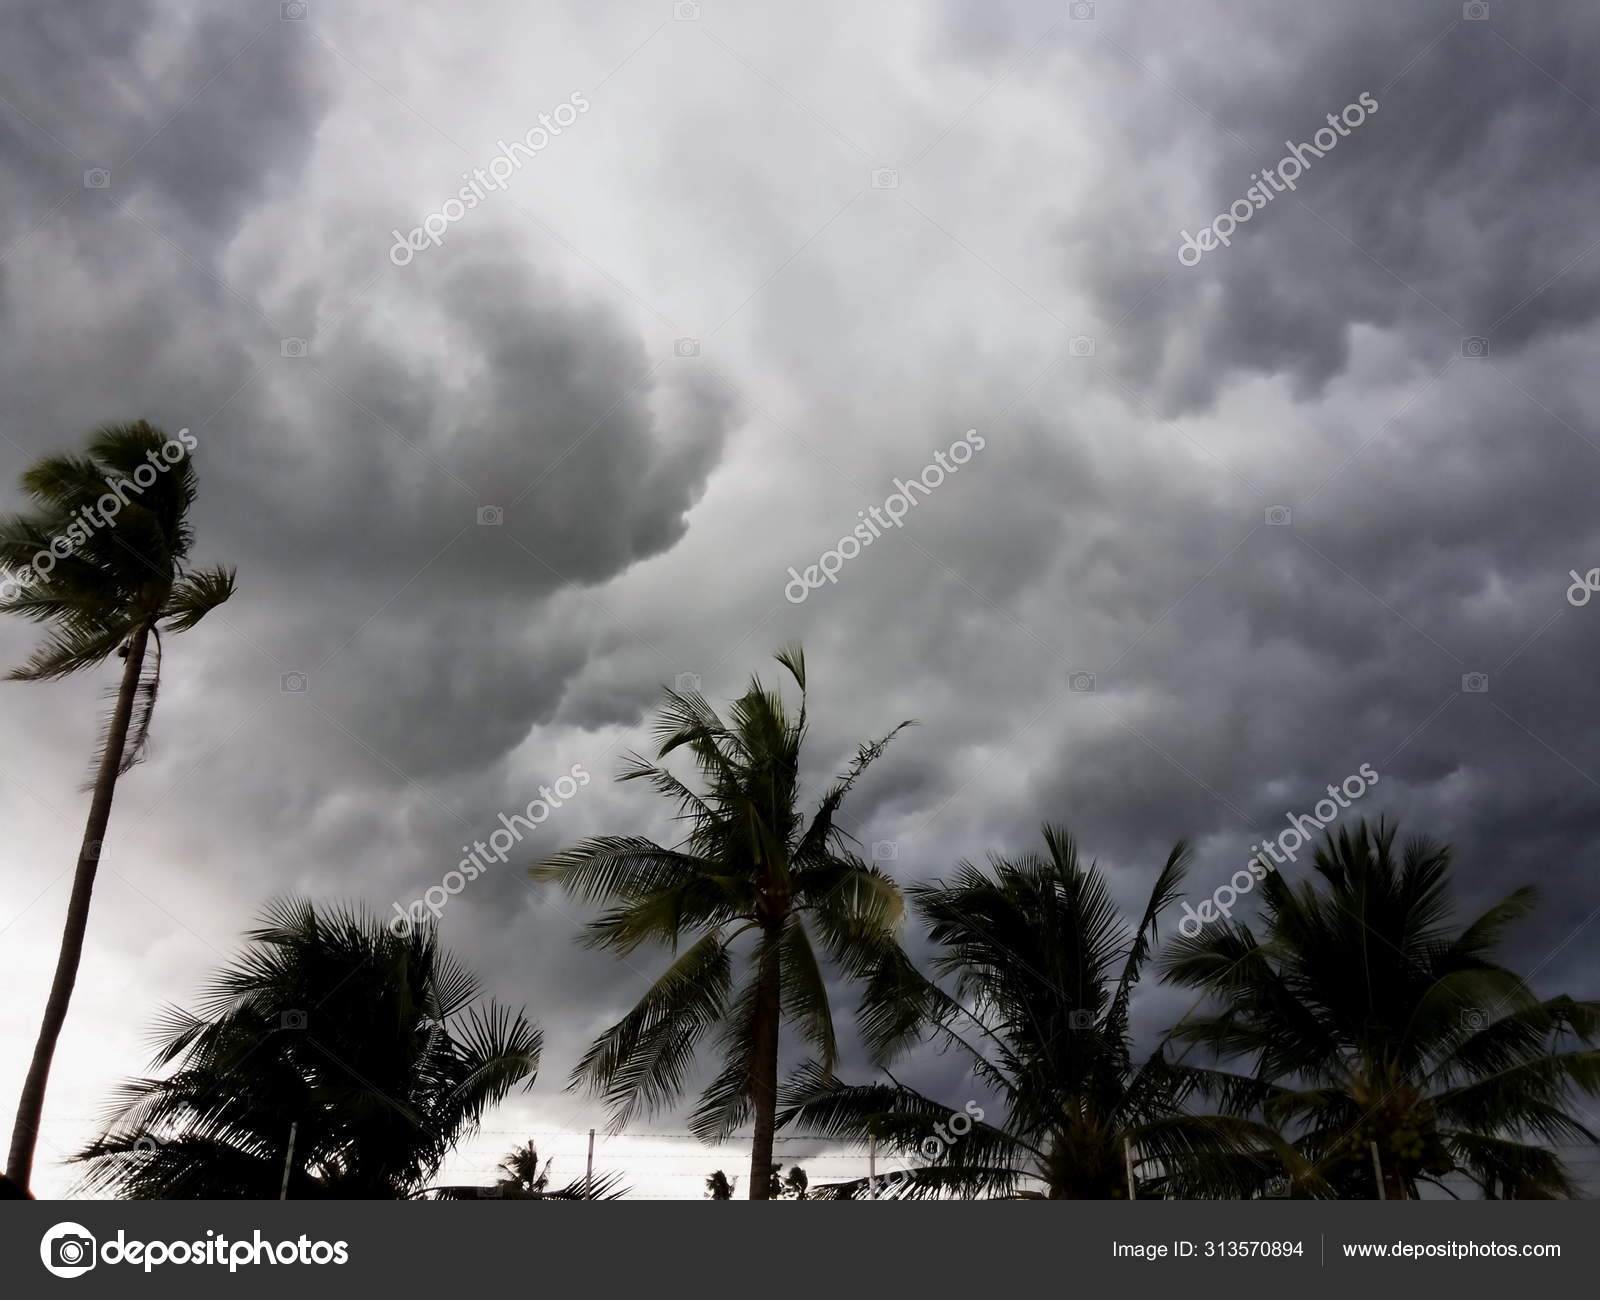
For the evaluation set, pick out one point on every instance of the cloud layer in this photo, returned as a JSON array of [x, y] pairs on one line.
[[1274, 505]]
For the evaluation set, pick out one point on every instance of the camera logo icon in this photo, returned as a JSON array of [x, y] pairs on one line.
[[294, 348], [886, 851], [1475, 683], [686, 11], [97, 178], [1280, 516], [68, 1250], [1080, 1018], [1475, 348], [1081, 10], [686, 683], [1475, 11], [491, 516], [1080, 345], [292, 1020], [1081, 682], [685, 347], [885, 178], [292, 683]]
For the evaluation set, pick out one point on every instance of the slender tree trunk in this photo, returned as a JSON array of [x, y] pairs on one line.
[[25, 1133], [764, 1062]]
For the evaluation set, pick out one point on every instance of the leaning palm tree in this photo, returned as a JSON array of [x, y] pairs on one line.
[[1041, 968], [750, 867], [1364, 1021], [333, 1058], [103, 558]]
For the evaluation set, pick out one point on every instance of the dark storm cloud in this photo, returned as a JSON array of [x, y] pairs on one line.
[[109, 86], [368, 461], [1312, 648], [1115, 524], [346, 483], [1458, 209]]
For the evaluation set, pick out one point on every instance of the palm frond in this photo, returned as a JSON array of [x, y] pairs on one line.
[[641, 1062], [72, 647], [195, 595]]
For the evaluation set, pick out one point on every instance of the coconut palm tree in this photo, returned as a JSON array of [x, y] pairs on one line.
[[522, 1172], [333, 1058], [719, 1187], [104, 559], [1363, 1016], [523, 1178], [750, 867], [1041, 967]]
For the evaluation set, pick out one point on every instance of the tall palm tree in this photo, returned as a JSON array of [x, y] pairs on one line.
[[1042, 969], [750, 865], [104, 558], [333, 1049], [1362, 1015]]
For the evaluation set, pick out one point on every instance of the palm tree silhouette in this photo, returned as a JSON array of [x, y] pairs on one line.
[[1361, 1017], [523, 1178], [372, 1048], [1043, 967], [750, 864], [118, 576]]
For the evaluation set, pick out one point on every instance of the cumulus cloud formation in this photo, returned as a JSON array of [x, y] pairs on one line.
[[1237, 528]]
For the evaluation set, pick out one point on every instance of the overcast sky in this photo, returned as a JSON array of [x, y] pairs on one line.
[[1276, 506]]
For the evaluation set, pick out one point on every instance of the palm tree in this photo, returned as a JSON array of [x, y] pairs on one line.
[[522, 1178], [1043, 968], [332, 1058], [522, 1173], [103, 558], [719, 1187], [750, 864], [1362, 1016]]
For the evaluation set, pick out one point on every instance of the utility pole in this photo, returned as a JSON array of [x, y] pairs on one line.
[[288, 1161], [1377, 1172], [872, 1166], [588, 1173]]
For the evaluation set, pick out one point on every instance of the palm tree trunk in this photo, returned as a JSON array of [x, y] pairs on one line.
[[764, 1063], [25, 1133]]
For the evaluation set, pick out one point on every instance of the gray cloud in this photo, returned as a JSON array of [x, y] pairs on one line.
[[1115, 523]]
